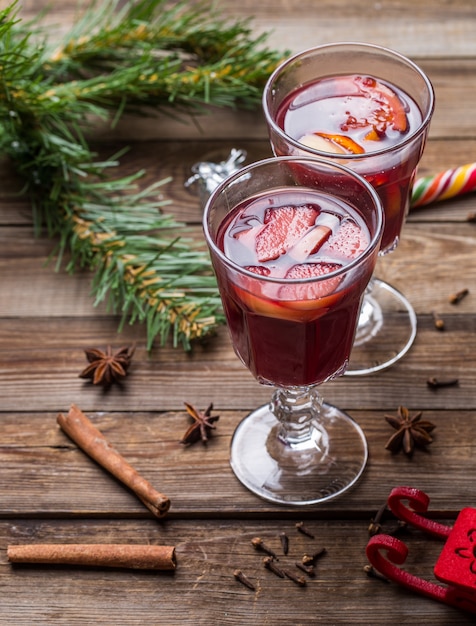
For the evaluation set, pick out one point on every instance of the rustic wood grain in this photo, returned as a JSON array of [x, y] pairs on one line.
[[45, 474], [44, 373], [163, 159], [203, 581], [50, 491], [442, 29]]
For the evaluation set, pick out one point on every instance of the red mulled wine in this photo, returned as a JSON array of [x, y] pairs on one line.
[[292, 313], [357, 115]]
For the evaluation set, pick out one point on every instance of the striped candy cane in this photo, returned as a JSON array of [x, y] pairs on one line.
[[444, 185]]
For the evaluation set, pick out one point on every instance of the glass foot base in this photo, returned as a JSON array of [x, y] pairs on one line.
[[386, 330], [303, 471]]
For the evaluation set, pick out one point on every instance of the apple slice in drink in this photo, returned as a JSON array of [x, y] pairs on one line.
[[325, 225]]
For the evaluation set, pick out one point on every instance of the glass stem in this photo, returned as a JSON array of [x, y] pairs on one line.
[[299, 412]]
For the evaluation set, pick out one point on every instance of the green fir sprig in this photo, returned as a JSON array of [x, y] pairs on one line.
[[146, 56]]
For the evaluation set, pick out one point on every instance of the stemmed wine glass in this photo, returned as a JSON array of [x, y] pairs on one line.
[[294, 242], [310, 104]]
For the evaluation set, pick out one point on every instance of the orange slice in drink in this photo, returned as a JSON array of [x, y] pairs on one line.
[[349, 145], [394, 106], [252, 299], [372, 135], [300, 302], [327, 142], [388, 108]]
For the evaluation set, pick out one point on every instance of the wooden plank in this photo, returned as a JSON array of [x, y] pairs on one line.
[[52, 492], [445, 30], [203, 585], [163, 159], [40, 362], [45, 474]]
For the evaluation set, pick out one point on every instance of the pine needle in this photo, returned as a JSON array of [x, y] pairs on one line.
[[144, 57]]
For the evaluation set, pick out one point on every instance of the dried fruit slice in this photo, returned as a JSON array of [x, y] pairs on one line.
[[283, 227]]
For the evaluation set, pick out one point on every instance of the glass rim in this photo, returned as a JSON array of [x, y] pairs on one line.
[[373, 243], [342, 45]]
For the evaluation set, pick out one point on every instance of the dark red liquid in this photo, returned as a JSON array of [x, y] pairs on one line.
[[286, 332], [355, 115]]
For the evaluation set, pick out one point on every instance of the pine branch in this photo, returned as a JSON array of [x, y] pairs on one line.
[[142, 57], [148, 275], [157, 56]]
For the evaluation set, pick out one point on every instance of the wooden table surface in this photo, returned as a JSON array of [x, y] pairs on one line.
[[51, 492]]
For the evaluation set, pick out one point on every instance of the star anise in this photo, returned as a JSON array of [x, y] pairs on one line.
[[203, 424], [107, 367], [411, 431]]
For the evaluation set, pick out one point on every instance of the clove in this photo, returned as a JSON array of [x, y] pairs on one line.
[[310, 559], [375, 525], [299, 580], [302, 529], [456, 298], [435, 383], [284, 543], [270, 564], [244, 580], [373, 573], [439, 321], [259, 544], [310, 570]]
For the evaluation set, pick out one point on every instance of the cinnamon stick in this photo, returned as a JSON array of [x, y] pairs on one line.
[[95, 555], [81, 430]]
